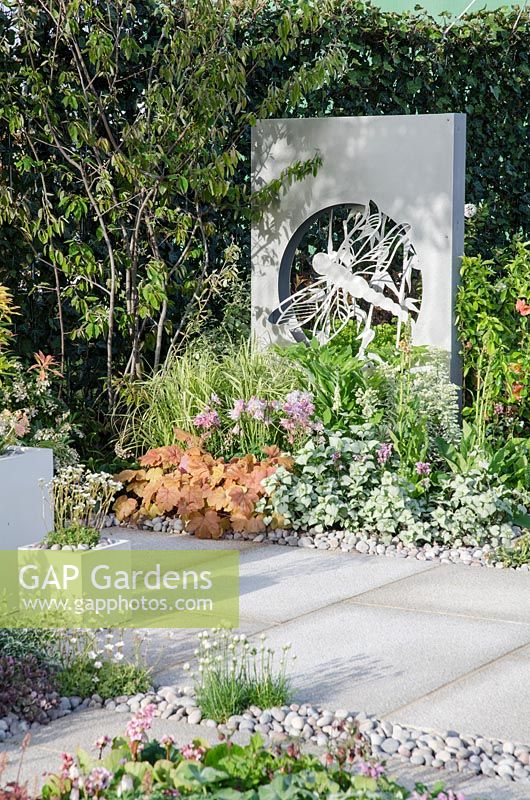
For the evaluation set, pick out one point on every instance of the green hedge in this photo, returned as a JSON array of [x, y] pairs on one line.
[[403, 64]]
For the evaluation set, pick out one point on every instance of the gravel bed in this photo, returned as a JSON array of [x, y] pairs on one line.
[[451, 751], [346, 542]]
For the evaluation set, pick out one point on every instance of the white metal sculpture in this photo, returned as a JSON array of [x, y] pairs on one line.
[[355, 279]]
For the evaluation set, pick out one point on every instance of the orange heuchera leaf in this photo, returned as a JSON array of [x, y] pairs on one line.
[[168, 496], [217, 475], [285, 461], [217, 498], [153, 472], [205, 526], [191, 500], [194, 463], [162, 457], [272, 450], [126, 475], [242, 500], [186, 438], [252, 524], [124, 507], [148, 489]]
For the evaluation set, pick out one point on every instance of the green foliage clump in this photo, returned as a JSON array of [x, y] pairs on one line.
[[88, 665], [20, 642], [73, 536], [518, 555], [83, 677], [354, 483], [200, 379], [234, 675], [493, 307], [228, 770]]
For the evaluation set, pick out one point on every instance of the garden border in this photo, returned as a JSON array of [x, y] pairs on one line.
[[316, 725], [338, 541]]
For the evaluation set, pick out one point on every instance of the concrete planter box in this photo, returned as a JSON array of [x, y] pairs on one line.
[[82, 560], [26, 512], [120, 544]]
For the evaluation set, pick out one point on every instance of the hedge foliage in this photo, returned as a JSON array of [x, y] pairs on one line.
[[395, 64], [403, 64]]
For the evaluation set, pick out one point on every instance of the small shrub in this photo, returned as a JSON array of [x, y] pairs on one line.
[[352, 484], [83, 677], [233, 675], [201, 381], [135, 767], [73, 536], [43, 644], [27, 688], [516, 556], [88, 666], [209, 494]]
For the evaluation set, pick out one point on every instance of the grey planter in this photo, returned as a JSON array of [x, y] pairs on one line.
[[26, 512]]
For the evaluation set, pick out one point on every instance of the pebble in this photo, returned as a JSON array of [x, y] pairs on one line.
[[347, 542]]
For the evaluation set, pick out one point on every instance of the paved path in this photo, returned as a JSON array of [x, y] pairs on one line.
[[427, 645]]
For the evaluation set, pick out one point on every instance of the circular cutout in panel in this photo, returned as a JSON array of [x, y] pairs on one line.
[[347, 263]]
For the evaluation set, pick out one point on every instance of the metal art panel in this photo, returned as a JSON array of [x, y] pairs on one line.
[[403, 178]]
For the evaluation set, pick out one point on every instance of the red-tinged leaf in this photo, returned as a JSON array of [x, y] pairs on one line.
[[124, 507], [272, 451], [152, 458], [191, 500], [218, 499], [242, 500], [253, 524], [126, 475], [168, 495], [185, 438], [205, 526]]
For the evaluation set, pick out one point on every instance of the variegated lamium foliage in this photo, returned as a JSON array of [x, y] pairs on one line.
[[371, 268]]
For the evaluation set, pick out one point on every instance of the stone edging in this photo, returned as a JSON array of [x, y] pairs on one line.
[[452, 751], [345, 542]]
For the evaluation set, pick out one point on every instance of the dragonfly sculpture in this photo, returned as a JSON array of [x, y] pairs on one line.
[[354, 280]]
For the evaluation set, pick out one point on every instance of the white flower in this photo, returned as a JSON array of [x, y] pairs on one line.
[[98, 664], [125, 785], [470, 210]]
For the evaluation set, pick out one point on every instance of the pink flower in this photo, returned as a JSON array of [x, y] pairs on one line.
[[237, 410], [97, 781], [67, 762], [298, 409], [102, 742], [192, 752], [522, 307], [371, 770], [384, 452], [257, 408], [140, 723], [207, 419], [423, 468]]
